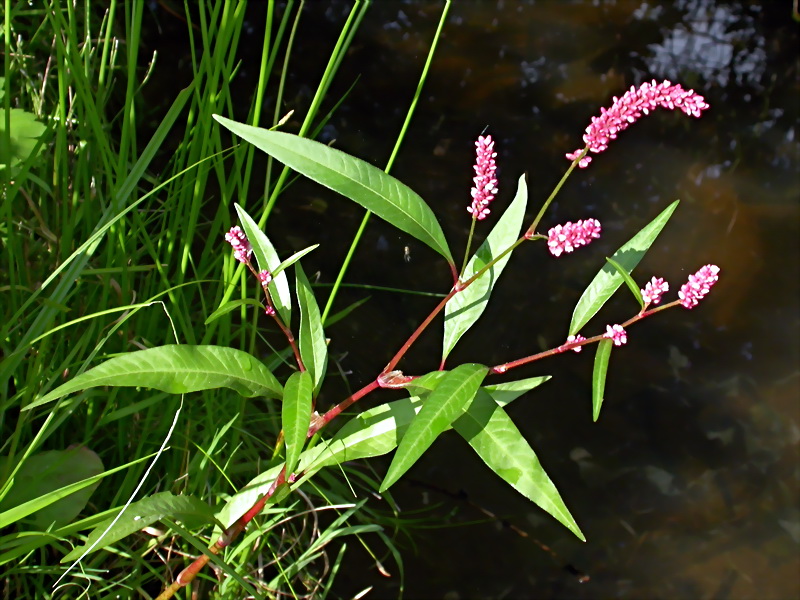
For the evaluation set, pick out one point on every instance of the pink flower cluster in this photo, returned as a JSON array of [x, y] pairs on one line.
[[576, 339], [485, 181], [567, 237], [617, 334], [241, 246], [633, 104], [698, 285], [655, 288]]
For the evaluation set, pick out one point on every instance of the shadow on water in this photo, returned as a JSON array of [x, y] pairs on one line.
[[687, 487]]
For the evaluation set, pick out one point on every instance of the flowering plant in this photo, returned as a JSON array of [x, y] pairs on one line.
[[459, 397]]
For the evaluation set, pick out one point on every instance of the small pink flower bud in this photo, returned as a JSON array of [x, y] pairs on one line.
[[630, 107], [617, 334], [655, 288], [265, 277], [269, 311], [567, 237], [485, 181], [698, 285], [576, 338], [241, 246]]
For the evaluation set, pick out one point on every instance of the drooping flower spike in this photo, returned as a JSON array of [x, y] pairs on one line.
[[698, 285], [567, 237], [485, 181], [241, 246], [655, 288], [630, 107]]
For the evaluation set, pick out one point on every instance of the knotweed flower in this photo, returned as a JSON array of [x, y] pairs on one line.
[[265, 277], [576, 338], [698, 285], [485, 181], [617, 334], [655, 288], [633, 104], [567, 237], [241, 247]]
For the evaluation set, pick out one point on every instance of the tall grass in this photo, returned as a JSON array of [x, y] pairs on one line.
[[105, 250]]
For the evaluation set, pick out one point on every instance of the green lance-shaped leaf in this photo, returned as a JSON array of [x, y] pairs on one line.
[[374, 432], [177, 370], [267, 259], [505, 393], [352, 177], [464, 309], [445, 403], [44, 476], [495, 438], [599, 375], [187, 509], [313, 347], [632, 286], [608, 279], [296, 415]]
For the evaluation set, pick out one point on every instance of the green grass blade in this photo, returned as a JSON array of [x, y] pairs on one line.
[[466, 307], [608, 279], [445, 403], [352, 177], [177, 370], [296, 415]]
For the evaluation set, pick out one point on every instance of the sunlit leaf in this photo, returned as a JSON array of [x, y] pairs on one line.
[[313, 347], [353, 178], [599, 375], [141, 514], [296, 415], [608, 280], [267, 259], [495, 438], [464, 309], [177, 370], [505, 393], [446, 402], [293, 259]]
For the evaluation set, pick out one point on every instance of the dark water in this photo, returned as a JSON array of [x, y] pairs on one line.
[[687, 487]]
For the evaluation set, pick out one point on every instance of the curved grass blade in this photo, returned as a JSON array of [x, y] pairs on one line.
[[177, 370], [495, 438], [296, 415], [599, 375], [352, 177], [266, 257], [445, 403], [293, 259], [232, 305], [608, 280], [464, 309], [313, 347]]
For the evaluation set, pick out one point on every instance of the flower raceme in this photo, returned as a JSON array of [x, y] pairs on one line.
[[567, 237], [655, 288], [241, 246], [698, 285], [626, 110], [485, 180]]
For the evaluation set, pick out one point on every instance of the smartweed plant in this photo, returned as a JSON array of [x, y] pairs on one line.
[[460, 397]]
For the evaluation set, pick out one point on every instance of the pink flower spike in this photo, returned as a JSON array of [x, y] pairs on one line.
[[631, 106], [617, 334], [698, 285], [655, 288], [576, 339], [485, 181], [238, 240], [567, 237]]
